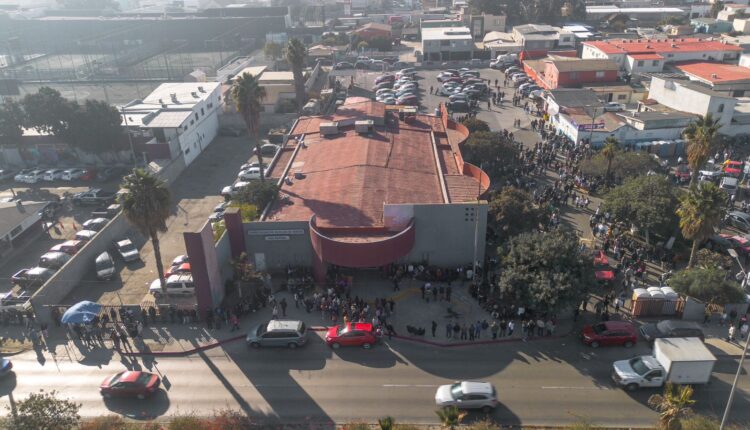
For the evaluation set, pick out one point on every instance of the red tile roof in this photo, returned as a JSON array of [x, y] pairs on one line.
[[642, 46], [646, 56], [715, 72]]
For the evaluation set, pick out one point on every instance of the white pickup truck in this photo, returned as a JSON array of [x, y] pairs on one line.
[[682, 360]]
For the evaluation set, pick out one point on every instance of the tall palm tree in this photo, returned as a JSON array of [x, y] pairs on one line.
[[672, 405], [147, 203], [701, 210], [248, 95], [701, 136], [609, 151], [296, 53]]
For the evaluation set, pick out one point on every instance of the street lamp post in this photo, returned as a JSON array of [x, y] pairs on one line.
[[733, 253]]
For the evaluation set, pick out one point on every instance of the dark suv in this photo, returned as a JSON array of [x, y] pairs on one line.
[[670, 328]]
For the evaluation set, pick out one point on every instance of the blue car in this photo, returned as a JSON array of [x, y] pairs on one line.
[[5, 366]]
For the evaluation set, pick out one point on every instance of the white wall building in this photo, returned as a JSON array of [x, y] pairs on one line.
[[184, 116], [447, 43]]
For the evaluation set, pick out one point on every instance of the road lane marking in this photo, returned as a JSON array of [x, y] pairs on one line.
[[577, 388], [409, 386]]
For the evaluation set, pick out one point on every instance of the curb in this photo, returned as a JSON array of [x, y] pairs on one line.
[[185, 352], [476, 342]]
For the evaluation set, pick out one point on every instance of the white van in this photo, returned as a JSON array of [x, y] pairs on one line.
[[729, 185], [176, 285]]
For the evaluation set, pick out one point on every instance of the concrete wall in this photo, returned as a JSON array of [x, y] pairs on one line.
[[67, 278], [675, 96], [273, 246], [223, 256], [267, 120], [168, 170]]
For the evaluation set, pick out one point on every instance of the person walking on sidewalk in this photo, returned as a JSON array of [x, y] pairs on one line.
[[463, 331], [275, 313], [283, 306], [732, 330], [235, 322], [471, 331], [511, 326], [494, 329], [448, 330], [434, 328]]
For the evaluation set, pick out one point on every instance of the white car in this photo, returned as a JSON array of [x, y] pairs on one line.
[[384, 91], [231, 190], [467, 395], [127, 250], [21, 176], [614, 107], [34, 176], [251, 174], [53, 174], [180, 259], [72, 174]]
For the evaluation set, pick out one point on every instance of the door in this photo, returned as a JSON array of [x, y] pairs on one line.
[[654, 379], [270, 339], [260, 261]]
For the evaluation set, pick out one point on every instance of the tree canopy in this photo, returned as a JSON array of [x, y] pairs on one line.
[[701, 210], [511, 212], [492, 150], [273, 50], [628, 164], [647, 202], [707, 284], [383, 44], [12, 120], [47, 111], [94, 127], [43, 410], [474, 124], [258, 193], [545, 271]]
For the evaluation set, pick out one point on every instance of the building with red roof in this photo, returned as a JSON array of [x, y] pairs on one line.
[[369, 186], [650, 55], [725, 78]]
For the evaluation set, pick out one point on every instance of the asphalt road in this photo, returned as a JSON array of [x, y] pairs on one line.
[[538, 383]]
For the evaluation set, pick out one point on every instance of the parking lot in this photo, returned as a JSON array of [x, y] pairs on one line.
[[195, 194]]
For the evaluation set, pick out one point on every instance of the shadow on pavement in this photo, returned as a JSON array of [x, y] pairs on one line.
[[146, 409]]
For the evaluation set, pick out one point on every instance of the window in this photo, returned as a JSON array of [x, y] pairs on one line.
[[721, 108], [196, 117], [600, 74], [202, 113], [184, 128], [640, 63], [655, 63], [16, 231], [445, 43], [670, 55], [573, 75], [622, 96]]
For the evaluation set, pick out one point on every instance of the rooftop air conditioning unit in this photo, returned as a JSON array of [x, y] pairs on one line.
[[329, 128], [194, 94], [174, 97], [714, 76], [201, 89], [364, 127]]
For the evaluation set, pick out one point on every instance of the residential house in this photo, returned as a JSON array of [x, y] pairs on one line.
[[729, 79], [573, 72], [278, 86], [597, 14], [483, 24], [732, 11], [630, 54], [741, 25], [710, 25], [181, 117], [447, 43], [692, 97], [373, 30], [17, 218]]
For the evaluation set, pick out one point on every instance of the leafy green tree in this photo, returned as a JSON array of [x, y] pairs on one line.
[[647, 202], [383, 44], [94, 127], [272, 50], [702, 136], [12, 120], [147, 204], [47, 111], [628, 164], [258, 193], [386, 423], [492, 7], [512, 212], [248, 96], [450, 416], [708, 259], [545, 271], [474, 125], [701, 210], [296, 53], [708, 285], [496, 153], [672, 405], [44, 411]]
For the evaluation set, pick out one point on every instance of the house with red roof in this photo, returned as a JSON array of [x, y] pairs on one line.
[[723, 78], [650, 55]]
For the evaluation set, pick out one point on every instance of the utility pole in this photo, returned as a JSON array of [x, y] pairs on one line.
[[130, 138]]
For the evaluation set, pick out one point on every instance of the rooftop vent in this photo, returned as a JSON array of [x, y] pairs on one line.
[[194, 94], [714, 76], [674, 45], [364, 127], [201, 89], [173, 96], [161, 101], [329, 128]]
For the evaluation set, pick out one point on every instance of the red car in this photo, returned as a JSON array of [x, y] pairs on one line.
[[130, 384], [178, 268], [88, 175], [68, 247], [602, 270], [609, 333], [741, 244], [352, 334]]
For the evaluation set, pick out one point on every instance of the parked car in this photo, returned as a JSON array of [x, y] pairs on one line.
[[69, 247], [34, 176], [231, 190], [177, 285], [383, 78], [614, 107], [32, 278], [110, 173], [408, 100], [127, 250], [7, 174], [269, 149], [383, 86], [343, 66], [179, 260], [740, 220], [53, 174], [95, 224], [250, 174], [54, 260], [669, 329], [177, 269], [278, 333], [85, 235], [609, 333], [467, 395], [88, 174], [130, 384], [21, 176], [72, 174], [105, 266], [352, 334], [458, 106]]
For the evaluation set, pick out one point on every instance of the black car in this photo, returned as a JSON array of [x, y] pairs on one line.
[[458, 106], [670, 328]]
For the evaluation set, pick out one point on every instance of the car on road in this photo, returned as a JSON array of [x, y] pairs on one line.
[[467, 395], [85, 235], [669, 329], [53, 174], [278, 333], [609, 333], [105, 266], [127, 250], [175, 285], [69, 247], [54, 260], [72, 174], [94, 196], [130, 383], [6, 366], [352, 334]]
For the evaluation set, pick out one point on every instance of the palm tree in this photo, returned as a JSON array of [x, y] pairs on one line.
[[672, 406], [248, 94], [701, 136], [450, 416], [147, 203], [386, 423], [296, 53], [701, 210], [609, 151]]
